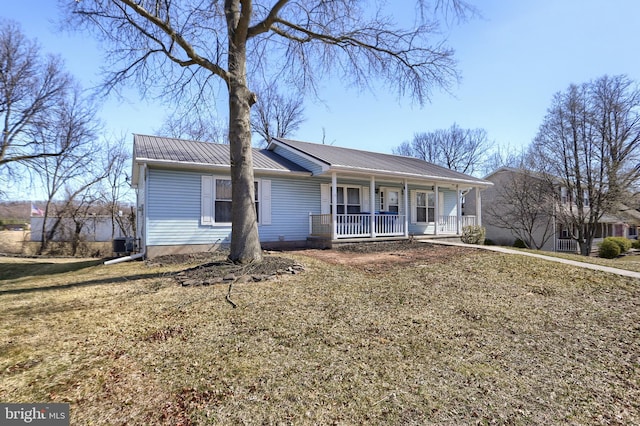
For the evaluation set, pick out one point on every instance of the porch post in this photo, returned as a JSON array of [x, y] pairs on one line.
[[372, 206], [406, 209], [458, 211], [478, 207], [436, 209], [334, 204]]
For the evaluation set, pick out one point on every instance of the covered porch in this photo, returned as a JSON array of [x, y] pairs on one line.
[[384, 225], [382, 208]]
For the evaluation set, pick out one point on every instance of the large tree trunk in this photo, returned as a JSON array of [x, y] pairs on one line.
[[245, 242]]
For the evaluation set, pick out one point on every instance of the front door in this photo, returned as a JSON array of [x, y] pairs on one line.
[[390, 200]]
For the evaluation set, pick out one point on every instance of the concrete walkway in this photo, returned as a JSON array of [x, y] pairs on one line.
[[608, 269]]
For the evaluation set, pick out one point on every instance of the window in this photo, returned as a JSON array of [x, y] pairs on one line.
[[349, 204], [216, 200], [564, 199], [222, 209], [425, 206]]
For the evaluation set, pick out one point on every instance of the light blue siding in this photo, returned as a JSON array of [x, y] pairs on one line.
[[174, 211], [298, 159], [450, 206], [174, 208], [291, 202]]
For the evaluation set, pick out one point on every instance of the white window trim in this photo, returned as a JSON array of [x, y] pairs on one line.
[[208, 200], [325, 197], [414, 206]]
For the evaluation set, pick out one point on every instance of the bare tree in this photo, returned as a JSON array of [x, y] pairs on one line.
[[178, 44], [523, 202], [197, 123], [463, 150], [116, 163], [589, 144], [32, 87], [71, 131], [502, 156], [276, 115]]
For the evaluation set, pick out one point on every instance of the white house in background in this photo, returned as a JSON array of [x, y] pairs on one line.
[[622, 223], [306, 194]]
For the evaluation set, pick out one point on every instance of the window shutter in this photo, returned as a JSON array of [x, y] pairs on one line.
[[366, 204], [206, 201], [325, 198], [414, 210], [265, 202]]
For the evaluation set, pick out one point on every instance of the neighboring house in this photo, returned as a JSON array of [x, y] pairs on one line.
[[624, 222], [305, 194]]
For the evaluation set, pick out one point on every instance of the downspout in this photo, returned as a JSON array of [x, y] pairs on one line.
[[125, 259]]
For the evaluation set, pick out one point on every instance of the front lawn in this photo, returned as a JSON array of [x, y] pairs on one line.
[[461, 337]]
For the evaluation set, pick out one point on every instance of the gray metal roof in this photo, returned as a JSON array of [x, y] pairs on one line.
[[367, 161], [171, 150]]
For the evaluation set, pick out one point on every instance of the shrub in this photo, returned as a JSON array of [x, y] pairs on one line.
[[473, 234], [609, 249], [519, 244], [636, 244], [488, 242], [622, 242]]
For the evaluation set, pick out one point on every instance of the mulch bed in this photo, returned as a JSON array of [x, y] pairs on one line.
[[214, 268]]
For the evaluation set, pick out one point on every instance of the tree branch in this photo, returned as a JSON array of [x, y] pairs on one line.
[[165, 26], [267, 23]]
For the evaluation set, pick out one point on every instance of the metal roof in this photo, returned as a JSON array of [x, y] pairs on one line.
[[373, 162], [157, 149]]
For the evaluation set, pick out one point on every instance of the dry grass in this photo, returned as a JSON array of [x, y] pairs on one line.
[[474, 338], [629, 262], [12, 241]]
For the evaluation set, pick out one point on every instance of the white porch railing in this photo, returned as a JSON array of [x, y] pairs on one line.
[[567, 245], [385, 225], [356, 225], [448, 224]]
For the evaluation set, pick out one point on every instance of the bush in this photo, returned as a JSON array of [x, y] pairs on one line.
[[636, 244], [622, 242], [609, 249], [519, 244], [488, 242], [473, 234]]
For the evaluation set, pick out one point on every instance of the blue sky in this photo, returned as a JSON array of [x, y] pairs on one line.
[[512, 60]]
